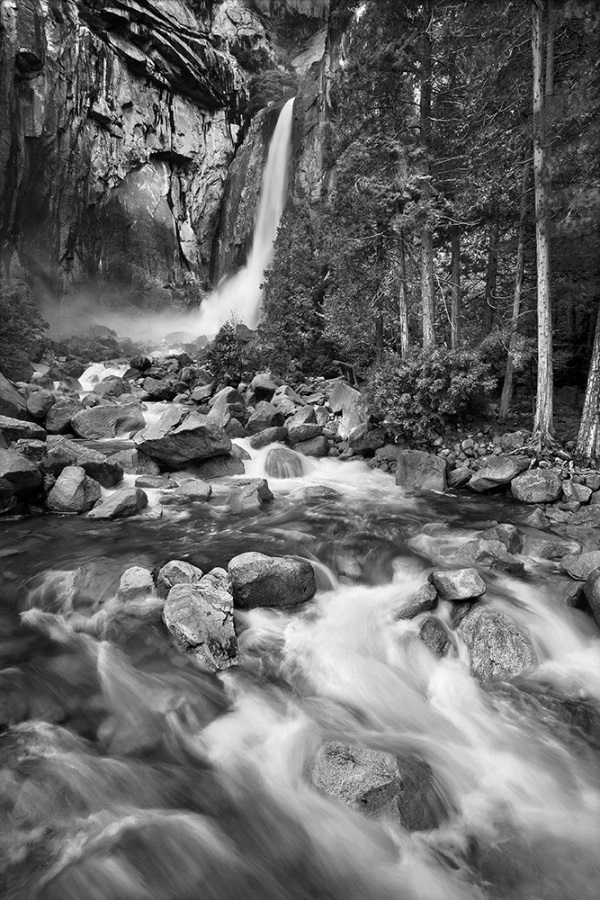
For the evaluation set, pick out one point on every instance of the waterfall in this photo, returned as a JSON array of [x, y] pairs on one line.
[[240, 297]]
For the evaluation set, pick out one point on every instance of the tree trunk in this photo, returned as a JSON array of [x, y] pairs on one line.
[[507, 388], [588, 439], [427, 270], [455, 289], [427, 289], [404, 342], [492, 269], [543, 424]]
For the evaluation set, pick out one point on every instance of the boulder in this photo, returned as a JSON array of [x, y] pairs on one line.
[[260, 580], [352, 406], [140, 362], [497, 646], [135, 584], [112, 386], [284, 463], [107, 421], [572, 490], [424, 600], [435, 636], [544, 547], [514, 440], [235, 429], [269, 436], [265, 415], [61, 452], [177, 571], [225, 405], [459, 477], [507, 535], [15, 429], [459, 584], [120, 505], [367, 780], [22, 476], [191, 491], [134, 462], [316, 447], [220, 467], [250, 495], [39, 403], [33, 450], [537, 486], [200, 617], [302, 426], [155, 482], [589, 515], [591, 590], [580, 566], [58, 418], [181, 437], [262, 387], [420, 471], [490, 555], [497, 471], [202, 393], [12, 404], [73, 492], [158, 389]]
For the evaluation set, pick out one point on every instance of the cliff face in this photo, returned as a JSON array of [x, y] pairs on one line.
[[119, 120]]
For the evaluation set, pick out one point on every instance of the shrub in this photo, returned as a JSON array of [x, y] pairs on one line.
[[21, 331], [234, 356], [429, 391]]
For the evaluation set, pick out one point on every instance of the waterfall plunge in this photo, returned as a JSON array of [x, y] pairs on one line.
[[240, 297]]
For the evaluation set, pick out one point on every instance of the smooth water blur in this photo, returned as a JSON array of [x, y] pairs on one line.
[[127, 772]]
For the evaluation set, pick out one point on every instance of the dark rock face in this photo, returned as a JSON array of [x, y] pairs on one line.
[[18, 474], [11, 402]]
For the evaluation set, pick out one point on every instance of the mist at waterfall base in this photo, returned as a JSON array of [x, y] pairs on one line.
[[137, 775], [238, 298]]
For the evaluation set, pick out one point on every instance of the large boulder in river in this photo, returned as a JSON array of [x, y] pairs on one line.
[[221, 466], [284, 463], [11, 402], [260, 580], [177, 571], [537, 486], [19, 473], [459, 584], [497, 646], [227, 404], [490, 555], [268, 436], [265, 416], [107, 421], [181, 437], [199, 615], [367, 780], [303, 426], [497, 471], [250, 495], [420, 471], [581, 565], [120, 505], [40, 402], [73, 492]]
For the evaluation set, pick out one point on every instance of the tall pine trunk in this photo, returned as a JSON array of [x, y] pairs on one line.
[[492, 269], [427, 269], [588, 439], [455, 289], [543, 423], [404, 341], [507, 388]]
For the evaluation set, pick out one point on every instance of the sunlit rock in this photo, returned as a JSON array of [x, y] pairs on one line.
[[458, 584], [581, 565], [424, 600], [367, 780], [106, 422], [176, 571], [497, 646], [537, 486], [73, 492], [181, 437], [260, 580], [136, 583], [490, 555], [507, 534]]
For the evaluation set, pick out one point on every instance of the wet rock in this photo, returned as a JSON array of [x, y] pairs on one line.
[[367, 780], [227, 404], [507, 535], [181, 437], [435, 636], [550, 548], [589, 515], [235, 429], [264, 416], [12, 404], [460, 584], [569, 592], [424, 600], [19, 473], [61, 452], [221, 466], [250, 496], [107, 422], [591, 589], [302, 426], [259, 580], [14, 429], [140, 362], [73, 492], [112, 386], [200, 618], [177, 571], [537, 486], [316, 447], [134, 462], [499, 470], [39, 403], [459, 477], [420, 471], [120, 505], [135, 584], [269, 436], [191, 491], [284, 463], [497, 646], [58, 418], [491, 555], [580, 566]]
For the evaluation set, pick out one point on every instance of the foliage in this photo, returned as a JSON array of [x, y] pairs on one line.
[[270, 86], [429, 391], [21, 331], [234, 356]]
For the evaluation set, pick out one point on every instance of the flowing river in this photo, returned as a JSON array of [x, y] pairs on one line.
[[133, 775]]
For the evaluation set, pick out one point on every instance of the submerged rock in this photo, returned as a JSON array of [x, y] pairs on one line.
[[284, 463], [491, 555], [199, 615], [73, 492], [260, 580], [120, 505], [420, 471], [497, 646]]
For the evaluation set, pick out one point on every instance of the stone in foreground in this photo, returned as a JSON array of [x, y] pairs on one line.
[[497, 646], [420, 471], [73, 492], [461, 584], [180, 437], [120, 505], [200, 618], [260, 580]]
